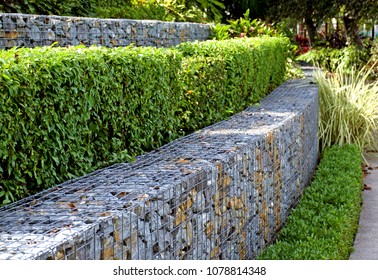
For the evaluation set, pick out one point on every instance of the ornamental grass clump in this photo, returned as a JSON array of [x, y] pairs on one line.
[[348, 108]]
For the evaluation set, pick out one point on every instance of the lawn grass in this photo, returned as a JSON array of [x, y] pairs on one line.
[[325, 221]]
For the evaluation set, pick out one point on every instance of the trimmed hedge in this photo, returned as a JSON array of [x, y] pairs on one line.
[[233, 73], [67, 111], [324, 223]]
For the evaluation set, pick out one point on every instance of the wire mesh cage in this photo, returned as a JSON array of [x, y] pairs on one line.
[[220, 193], [23, 30]]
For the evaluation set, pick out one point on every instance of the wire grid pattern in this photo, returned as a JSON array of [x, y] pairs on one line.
[[30, 31], [220, 193]]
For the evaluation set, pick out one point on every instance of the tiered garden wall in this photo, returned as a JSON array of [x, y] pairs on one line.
[[220, 193]]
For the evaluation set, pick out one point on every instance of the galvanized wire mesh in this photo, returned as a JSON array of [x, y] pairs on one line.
[[220, 193], [30, 30]]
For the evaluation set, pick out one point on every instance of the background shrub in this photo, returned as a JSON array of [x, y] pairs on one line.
[[324, 223], [329, 59]]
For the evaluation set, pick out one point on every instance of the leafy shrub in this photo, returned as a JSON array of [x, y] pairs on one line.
[[166, 10], [203, 100], [66, 112], [145, 10], [221, 78], [55, 7], [245, 27], [324, 223], [373, 62], [347, 108], [330, 59]]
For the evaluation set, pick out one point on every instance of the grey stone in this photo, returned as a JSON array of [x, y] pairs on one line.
[[162, 208], [199, 202], [165, 240], [94, 33], [8, 24], [50, 35], [20, 22], [83, 32], [34, 33], [155, 221]]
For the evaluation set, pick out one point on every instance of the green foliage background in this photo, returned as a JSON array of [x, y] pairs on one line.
[[166, 10], [68, 111]]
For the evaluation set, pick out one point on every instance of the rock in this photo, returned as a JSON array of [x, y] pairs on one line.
[[72, 33], [83, 32], [121, 34], [20, 22], [169, 223], [199, 202], [94, 33], [34, 33], [8, 24], [180, 216], [163, 209], [50, 35], [155, 221], [165, 240], [10, 44]]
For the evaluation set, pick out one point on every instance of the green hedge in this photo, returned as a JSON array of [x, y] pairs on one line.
[[324, 223], [67, 111], [234, 73]]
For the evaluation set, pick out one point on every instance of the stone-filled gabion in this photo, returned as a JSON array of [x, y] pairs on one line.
[[34, 30], [220, 193]]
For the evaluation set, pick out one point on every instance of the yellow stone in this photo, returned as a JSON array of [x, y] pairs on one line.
[[180, 216]]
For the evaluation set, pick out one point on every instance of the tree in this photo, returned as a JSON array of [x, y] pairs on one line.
[[312, 12], [235, 9], [315, 12], [352, 12]]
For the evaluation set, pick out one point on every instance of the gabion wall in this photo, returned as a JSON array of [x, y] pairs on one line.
[[220, 193], [31, 30]]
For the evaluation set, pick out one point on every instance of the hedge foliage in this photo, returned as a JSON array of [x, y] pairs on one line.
[[324, 223], [232, 75], [67, 111]]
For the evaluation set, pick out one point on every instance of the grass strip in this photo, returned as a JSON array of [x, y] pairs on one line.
[[324, 223]]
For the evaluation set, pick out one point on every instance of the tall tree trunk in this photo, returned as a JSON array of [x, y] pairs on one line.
[[351, 29], [373, 30], [311, 29]]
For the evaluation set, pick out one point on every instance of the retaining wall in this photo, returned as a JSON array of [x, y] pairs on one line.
[[34, 30], [220, 193]]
